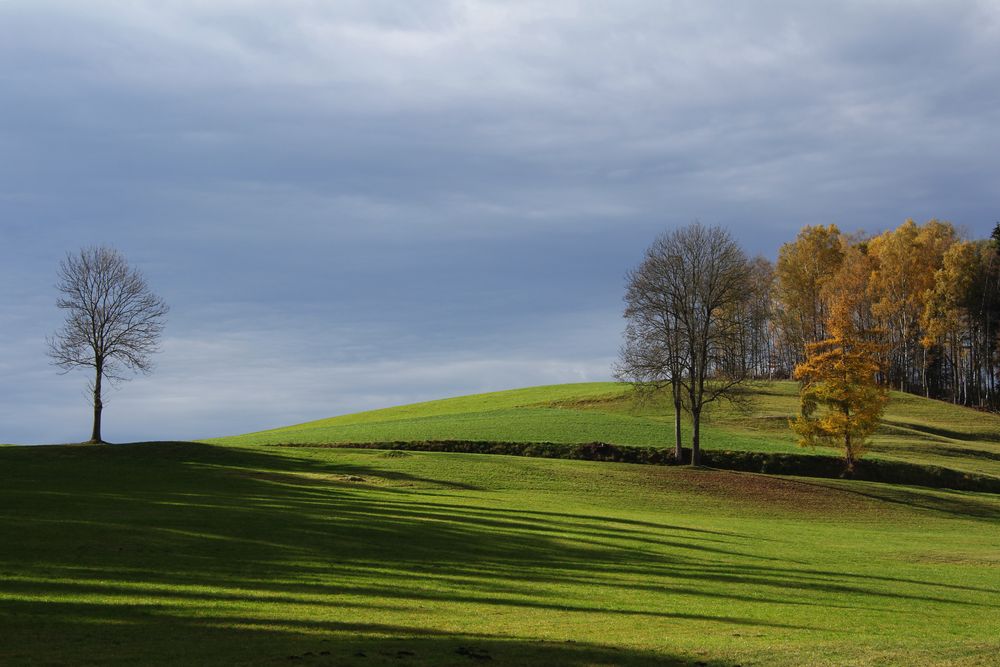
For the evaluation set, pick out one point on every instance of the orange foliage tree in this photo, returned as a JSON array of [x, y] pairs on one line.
[[906, 262], [805, 267], [841, 401]]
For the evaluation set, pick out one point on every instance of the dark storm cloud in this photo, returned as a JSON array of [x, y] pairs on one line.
[[326, 192]]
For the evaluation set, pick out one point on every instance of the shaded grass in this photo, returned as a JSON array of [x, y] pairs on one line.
[[171, 552]]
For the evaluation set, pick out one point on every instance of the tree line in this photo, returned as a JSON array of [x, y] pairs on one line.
[[916, 308], [927, 297]]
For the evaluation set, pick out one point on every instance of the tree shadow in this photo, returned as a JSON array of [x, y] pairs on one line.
[[959, 504], [939, 450], [188, 552], [111, 632], [939, 431]]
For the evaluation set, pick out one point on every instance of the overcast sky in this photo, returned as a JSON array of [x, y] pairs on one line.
[[355, 204]]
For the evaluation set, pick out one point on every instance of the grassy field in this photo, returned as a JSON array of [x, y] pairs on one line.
[[170, 553], [916, 430]]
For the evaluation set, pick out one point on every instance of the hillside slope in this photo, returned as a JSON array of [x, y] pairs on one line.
[[915, 429], [180, 553]]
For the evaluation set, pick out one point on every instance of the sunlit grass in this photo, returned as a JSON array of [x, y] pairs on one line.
[[168, 553], [916, 430]]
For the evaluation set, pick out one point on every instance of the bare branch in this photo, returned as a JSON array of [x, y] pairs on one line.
[[687, 307], [113, 321]]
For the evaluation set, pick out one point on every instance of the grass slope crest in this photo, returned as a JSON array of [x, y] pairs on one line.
[[921, 441]]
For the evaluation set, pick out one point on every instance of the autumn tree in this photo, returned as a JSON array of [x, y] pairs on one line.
[[113, 321], [961, 319], [948, 318], [841, 401], [906, 261], [847, 291], [804, 268], [986, 293]]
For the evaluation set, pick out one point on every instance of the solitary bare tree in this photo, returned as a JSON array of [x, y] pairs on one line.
[[685, 306], [113, 320]]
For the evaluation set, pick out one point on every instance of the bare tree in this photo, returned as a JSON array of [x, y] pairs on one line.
[[113, 321], [653, 356], [685, 312]]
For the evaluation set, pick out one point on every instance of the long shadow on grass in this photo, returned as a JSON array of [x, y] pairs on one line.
[[941, 431], [129, 541], [958, 504], [248, 640], [938, 450]]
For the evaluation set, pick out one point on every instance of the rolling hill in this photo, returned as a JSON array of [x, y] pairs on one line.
[[240, 552], [914, 430]]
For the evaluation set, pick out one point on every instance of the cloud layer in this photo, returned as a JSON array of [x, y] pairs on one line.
[[326, 192]]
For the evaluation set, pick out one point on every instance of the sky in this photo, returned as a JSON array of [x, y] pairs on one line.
[[349, 205]]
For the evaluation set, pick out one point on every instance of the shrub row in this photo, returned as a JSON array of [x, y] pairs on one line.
[[773, 463]]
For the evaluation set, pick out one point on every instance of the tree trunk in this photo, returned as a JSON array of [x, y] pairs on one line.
[[923, 376], [848, 452], [678, 450], [696, 438], [95, 436]]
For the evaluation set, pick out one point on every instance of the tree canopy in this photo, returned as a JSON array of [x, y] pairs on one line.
[[113, 321]]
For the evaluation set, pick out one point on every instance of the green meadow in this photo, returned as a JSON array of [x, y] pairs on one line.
[[914, 429], [237, 552]]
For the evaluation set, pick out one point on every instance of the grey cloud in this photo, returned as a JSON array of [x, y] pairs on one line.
[[438, 174]]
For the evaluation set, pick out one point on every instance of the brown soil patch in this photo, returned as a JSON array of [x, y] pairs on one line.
[[306, 478], [756, 491]]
